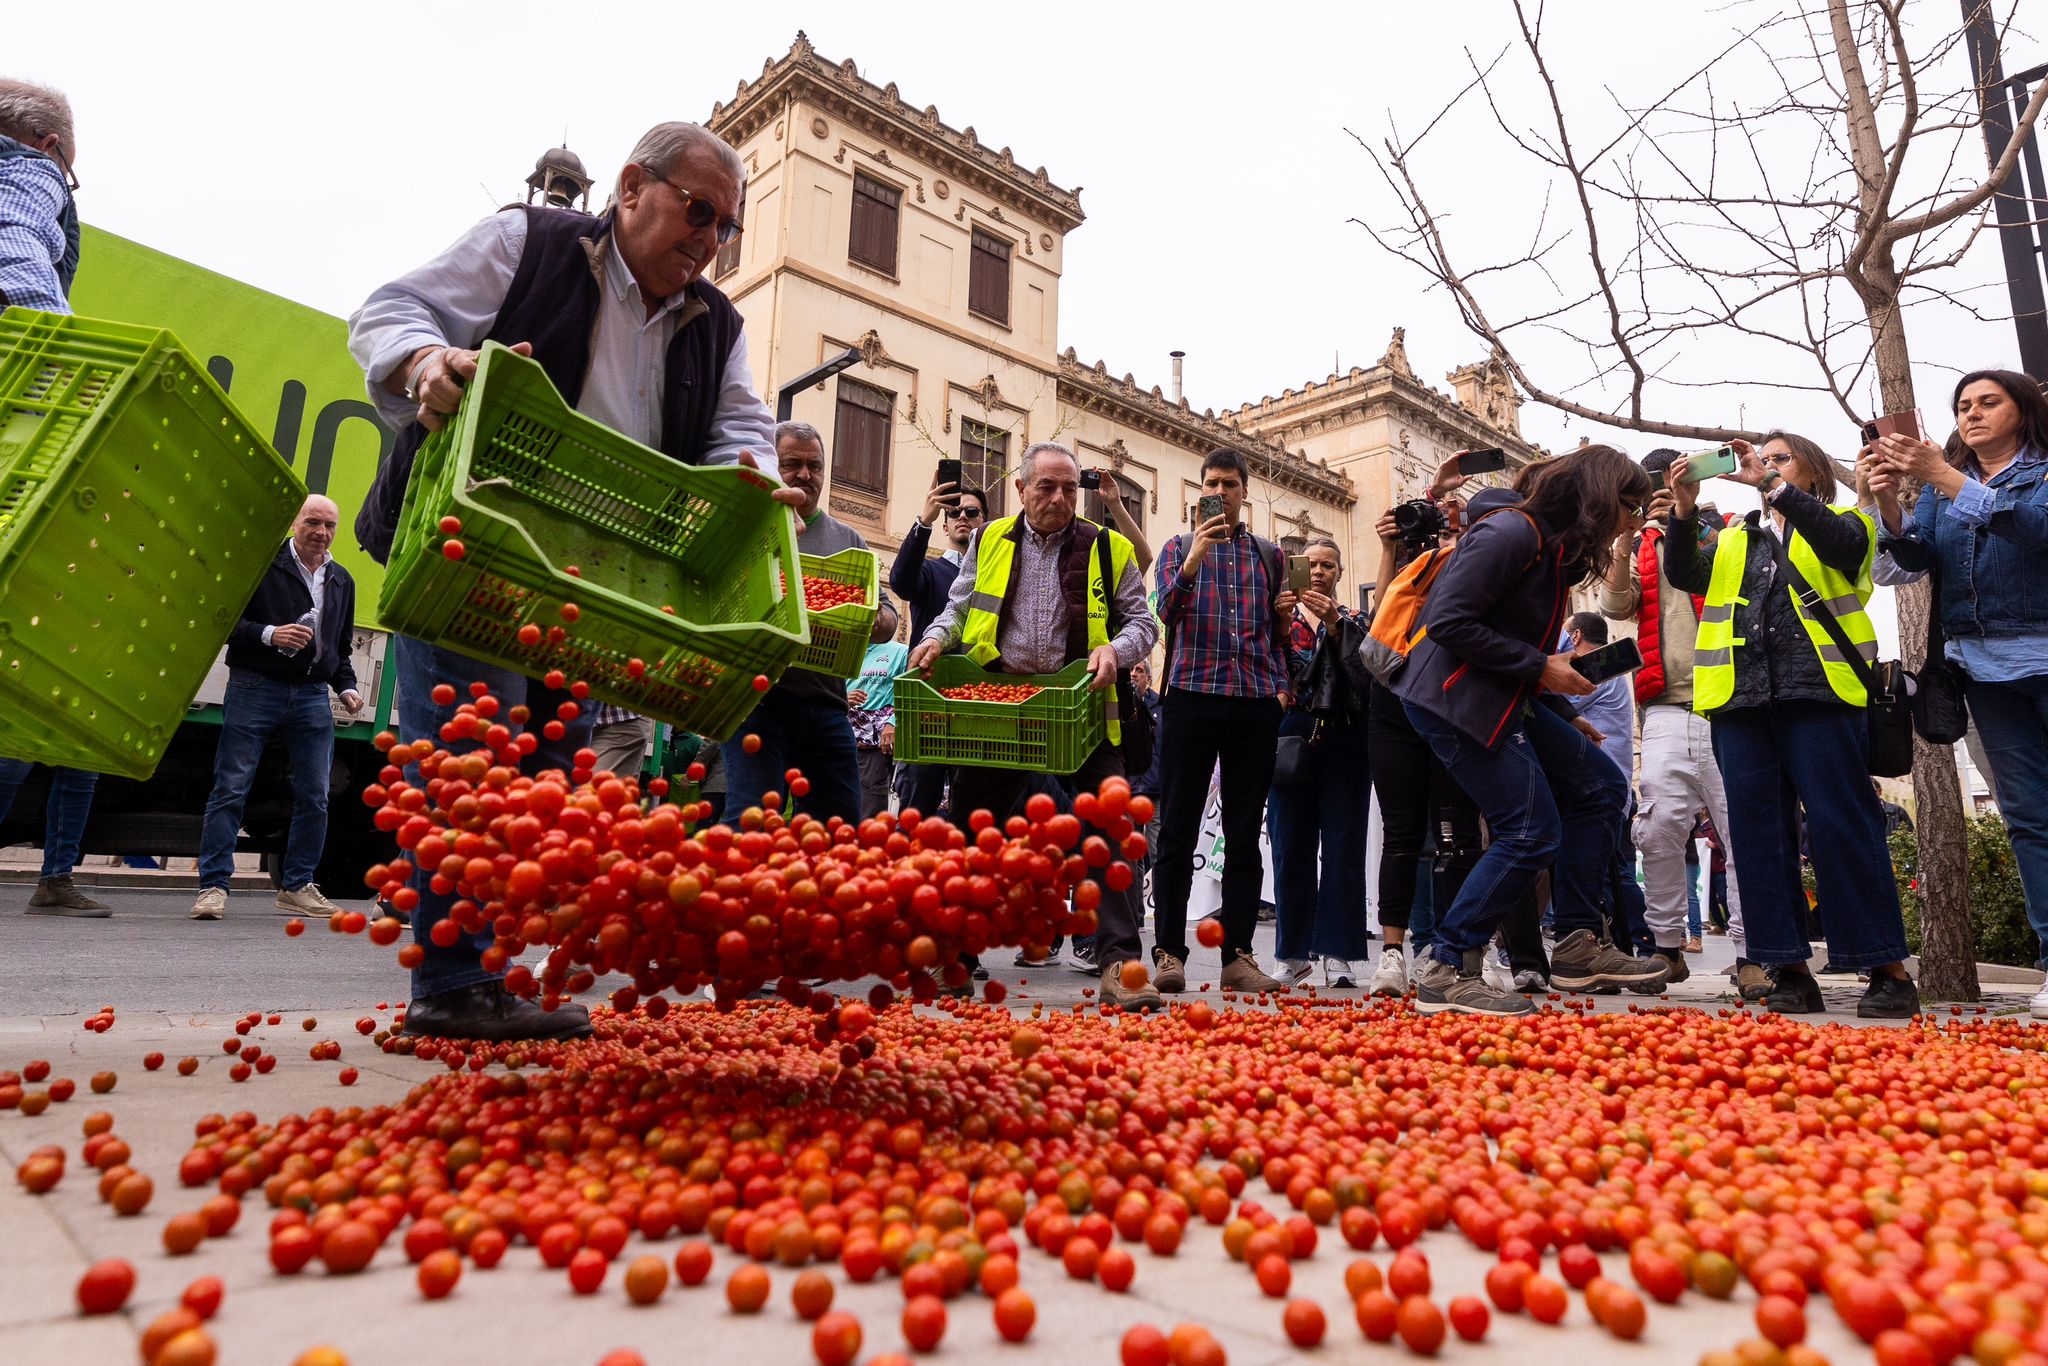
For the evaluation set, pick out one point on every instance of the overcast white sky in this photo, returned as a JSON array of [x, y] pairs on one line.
[[318, 149]]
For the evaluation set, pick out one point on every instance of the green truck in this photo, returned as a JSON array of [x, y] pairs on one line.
[[288, 368]]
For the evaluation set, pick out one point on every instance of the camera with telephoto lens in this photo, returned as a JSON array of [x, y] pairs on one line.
[[1420, 521]]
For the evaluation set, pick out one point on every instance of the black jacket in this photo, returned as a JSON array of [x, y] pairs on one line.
[[1787, 668], [1492, 619], [920, 580], [282, 598]]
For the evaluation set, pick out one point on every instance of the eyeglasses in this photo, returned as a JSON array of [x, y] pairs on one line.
[[969, 513], [1780, 460], [70, 176], [701, 213]]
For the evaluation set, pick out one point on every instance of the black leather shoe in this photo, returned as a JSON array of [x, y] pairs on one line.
[[1794, 992], [489, 1012], [1889, 998]]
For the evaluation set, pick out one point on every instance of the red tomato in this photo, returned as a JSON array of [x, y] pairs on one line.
[[835, 1339], [1016, 1313], [1504, 1282], [203, 1296], [1378, 1315], [1545, 1299], [924, 1322], [646, 1279], [105, 1286], [1304, 1322], [693, 1263], [1421, 1325], [438, 1273], [1144, 1345], [1780, 1320], [586, 1270], [1469, 1317]]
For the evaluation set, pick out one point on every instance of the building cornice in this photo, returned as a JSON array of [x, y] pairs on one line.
[[1093, 388], [1374, 392], [880, 112]]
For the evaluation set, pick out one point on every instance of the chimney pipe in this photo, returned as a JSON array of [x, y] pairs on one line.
[[1176, 373]]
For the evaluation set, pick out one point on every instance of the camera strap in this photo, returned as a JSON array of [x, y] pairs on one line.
[[1816, 608]]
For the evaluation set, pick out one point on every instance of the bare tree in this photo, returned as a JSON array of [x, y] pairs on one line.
[[1807, 223]]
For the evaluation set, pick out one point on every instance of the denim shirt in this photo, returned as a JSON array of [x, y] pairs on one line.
[[1990, 548]]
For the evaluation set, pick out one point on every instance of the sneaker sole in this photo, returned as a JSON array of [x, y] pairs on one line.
[[74, 912], [1602, 982], [206, 915], [1466, 1008]]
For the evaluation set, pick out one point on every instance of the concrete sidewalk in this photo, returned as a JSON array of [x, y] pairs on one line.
[[178, 986]]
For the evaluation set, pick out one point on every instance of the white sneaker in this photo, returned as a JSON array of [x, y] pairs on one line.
[[1390, 978], [1337, 973], [1496, 975], [307, 900], [211, 905], [2038, 1007], [1294, 971]]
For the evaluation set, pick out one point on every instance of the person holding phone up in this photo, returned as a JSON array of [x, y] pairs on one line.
[[1787, 713], [1981, 525]]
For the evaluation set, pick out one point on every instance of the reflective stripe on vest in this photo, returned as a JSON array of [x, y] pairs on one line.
[[996, 559], [1714, 655]]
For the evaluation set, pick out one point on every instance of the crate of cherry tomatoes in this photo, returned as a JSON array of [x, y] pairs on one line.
[[965, 714], [841, 594]]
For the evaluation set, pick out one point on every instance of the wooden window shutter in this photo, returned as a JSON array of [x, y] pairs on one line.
[[876, 208], [861, 434], [988, 279]]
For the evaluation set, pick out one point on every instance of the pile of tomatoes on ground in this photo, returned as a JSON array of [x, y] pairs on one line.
[[991, 692]]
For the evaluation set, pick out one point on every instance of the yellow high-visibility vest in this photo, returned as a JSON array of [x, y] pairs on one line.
[[996, 560], [1713, 662]]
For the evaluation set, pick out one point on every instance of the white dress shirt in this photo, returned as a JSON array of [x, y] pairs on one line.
[[454, 299], [316, 582]]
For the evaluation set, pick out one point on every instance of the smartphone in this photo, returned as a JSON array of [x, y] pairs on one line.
[[1208, 506], [1609, 661], [1657, 484], [1484, 461], [1297, 574], [1895, 424], [1091, 479], [1711, 463], [949, 472]]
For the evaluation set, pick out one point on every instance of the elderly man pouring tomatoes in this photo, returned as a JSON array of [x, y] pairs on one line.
[[1037, 592]]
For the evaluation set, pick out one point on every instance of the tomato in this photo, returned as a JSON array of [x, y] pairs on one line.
[[1896, 1347], [165, 1327], [693, 1263], [1209, 934], [1116, 1270], [193, 1347], [1304, 1322], [1578, 1264], [1780, 1320], [1080, 1255], [1869, 1307], [1274, 1275], [924, 1322], [746, 1291], [1143, 1345], [998, 1274], [811, 1296], [203, 1297], [1504, 1285], [835, 1339], [1378, 1315], [1408, 1275], [1015, 1314], [438, 1272], [1469, 1317], [487, 1248], [1545, 1299], [131, 1195], [183, 1233], [105, 1286], [348, 1247], [1623, 1314], [291, 1249], [1421, 1325]]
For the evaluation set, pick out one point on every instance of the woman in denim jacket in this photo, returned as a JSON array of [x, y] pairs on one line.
[[1981, 525]]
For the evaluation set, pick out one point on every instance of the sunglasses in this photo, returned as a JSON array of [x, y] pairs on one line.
[[970, 513], [701, 213]]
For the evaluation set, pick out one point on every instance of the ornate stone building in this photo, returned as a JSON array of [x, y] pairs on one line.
[[873, 223]]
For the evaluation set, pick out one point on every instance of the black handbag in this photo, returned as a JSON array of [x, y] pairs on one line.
[[1939, 713], [1294, 760], [1886, 683]]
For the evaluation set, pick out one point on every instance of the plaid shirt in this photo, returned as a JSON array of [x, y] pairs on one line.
[[1224, 636], [32, 199]]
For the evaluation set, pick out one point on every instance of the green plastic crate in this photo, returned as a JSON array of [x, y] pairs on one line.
[[540, 489], [139, 510], [839, 635], [1053, 731]]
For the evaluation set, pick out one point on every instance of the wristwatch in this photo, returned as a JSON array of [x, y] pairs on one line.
[[1770, 481]]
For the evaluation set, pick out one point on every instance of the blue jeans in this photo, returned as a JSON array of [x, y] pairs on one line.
[[1422, 909], [420, 666], [1545, 787], [1321, 917], [1813, 755], [255, 709], [2012, 718], [64, 815], [797, 731], [1692, 901], [1627, 912]]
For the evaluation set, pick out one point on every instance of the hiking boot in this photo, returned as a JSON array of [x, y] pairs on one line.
[[1794, 992], [211, 905], [1889, 998], [1113, 992], [1674, 962], [307, 900], [489, 1012], [1295, 971], [1242, 973], [1584, 962], [1439, 987], [1169, 974], [1390, 978], [60, 896], [1337, 974], [1752, 983], [1432, 979]]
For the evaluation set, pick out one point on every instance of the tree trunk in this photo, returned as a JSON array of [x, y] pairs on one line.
[[1948, 937]]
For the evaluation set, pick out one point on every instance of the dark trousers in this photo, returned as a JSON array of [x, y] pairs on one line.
[[1544, 787], [875, 771], [1420, 806], [2012, 719], [255, 709], [420, 667], [922, 787], [1241, 733], [1776, 760], [1627, 914], [802, 731], [70, 802], [1717, 898], [1322, 916], [1521, 934], [1003, 792]]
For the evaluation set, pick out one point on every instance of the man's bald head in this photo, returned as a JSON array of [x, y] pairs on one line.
[[313, 530]]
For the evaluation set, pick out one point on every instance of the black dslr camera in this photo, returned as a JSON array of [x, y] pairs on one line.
[[1420, 522]]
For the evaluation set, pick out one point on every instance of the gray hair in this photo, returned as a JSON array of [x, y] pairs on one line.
[[1325, 541], [801, 431], [1028, 463], [662, 147], [30, 113]]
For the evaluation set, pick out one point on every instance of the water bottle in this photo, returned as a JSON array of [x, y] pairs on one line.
[[310, 620]]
